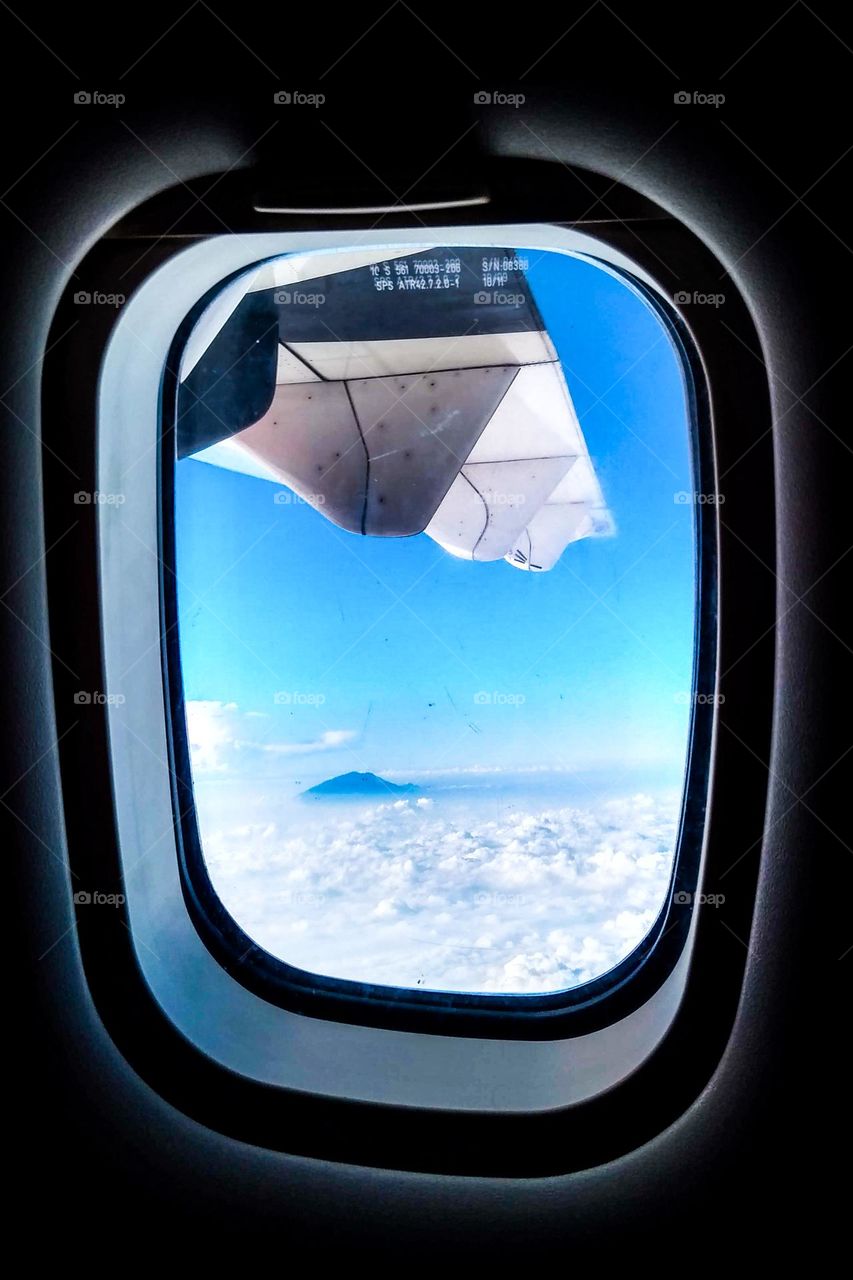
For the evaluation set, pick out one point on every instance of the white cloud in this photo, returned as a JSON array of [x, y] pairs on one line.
[[217, 743], [211, 733], [327, 741], [446, 894]]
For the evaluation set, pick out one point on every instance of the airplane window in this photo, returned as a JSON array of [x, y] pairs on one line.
[[435, 565]]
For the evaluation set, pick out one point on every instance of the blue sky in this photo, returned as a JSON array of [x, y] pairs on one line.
[[382, 645]]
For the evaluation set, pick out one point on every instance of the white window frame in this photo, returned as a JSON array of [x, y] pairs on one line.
[[224, 1019]]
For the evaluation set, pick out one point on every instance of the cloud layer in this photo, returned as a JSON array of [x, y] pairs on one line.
[[435, 894]]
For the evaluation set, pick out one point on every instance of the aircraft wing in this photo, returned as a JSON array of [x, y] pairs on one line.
[[412, 392]]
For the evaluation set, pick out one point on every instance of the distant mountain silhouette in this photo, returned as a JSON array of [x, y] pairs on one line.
[[360, 784]]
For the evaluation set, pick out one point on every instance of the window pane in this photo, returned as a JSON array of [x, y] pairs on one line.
[[435, 576]]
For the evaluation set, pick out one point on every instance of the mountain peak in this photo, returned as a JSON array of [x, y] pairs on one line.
[[360, 784]]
